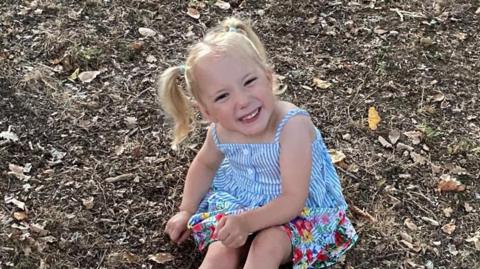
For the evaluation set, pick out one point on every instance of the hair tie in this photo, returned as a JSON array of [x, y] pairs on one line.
[[232, 29], [182, 68]]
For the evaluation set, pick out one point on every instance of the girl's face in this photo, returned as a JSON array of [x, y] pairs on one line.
[[235, 93]]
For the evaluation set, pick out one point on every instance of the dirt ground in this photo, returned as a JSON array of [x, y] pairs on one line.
[[87, 176]]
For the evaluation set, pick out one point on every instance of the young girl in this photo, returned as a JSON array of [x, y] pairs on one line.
[[262, 189]]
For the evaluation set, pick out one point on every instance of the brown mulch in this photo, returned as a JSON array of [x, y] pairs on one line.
[[87, 176]]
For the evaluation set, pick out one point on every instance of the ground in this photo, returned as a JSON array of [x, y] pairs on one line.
[[87, 175]]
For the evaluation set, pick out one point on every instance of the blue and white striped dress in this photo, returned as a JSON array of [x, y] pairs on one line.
[[249, 177]]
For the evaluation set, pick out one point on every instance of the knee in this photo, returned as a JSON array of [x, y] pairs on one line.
[[272, 243], [219, 256]]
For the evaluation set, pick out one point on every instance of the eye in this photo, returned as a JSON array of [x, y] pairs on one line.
[[221, 97], [250, 81]]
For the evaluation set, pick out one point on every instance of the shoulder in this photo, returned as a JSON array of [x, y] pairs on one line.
[[296, 127]]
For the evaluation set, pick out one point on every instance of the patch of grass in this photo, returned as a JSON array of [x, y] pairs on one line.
[[429, 132]]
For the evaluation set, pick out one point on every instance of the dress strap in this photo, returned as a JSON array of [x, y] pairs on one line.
[[214, 134], [291, 113]]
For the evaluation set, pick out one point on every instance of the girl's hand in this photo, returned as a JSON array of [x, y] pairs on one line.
[[176, 227], [232, 231]]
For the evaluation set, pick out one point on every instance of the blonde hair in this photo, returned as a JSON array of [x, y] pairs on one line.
[[231, 35]]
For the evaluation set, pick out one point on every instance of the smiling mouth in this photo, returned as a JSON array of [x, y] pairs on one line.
[[251, 117]]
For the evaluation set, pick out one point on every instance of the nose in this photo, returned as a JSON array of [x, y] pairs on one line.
[[242, 99]]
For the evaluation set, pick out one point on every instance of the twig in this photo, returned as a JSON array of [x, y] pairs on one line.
[[119, 178], [347, 173], [102, 259]]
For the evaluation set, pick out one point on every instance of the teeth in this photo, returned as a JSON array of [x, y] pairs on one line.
[[249, 116]]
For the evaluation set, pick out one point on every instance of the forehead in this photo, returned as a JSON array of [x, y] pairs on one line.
[[218, 69]]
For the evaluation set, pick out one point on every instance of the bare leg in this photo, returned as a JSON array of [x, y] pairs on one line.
[[220, 256], [269, 249]]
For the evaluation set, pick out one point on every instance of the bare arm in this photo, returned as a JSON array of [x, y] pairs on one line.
[[200, 174], [295, 168]]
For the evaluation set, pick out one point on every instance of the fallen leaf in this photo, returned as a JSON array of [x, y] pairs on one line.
[[16, 202], [161, 258], [36, 228], [7, 135], [394, 136], [475, 239], [88, 76], [336, 155], [426, 41], [410, 225], [74, 75], [88, 203], [131, 122], [411, 246], [449, 183], [373, 118], [468, 207], [151, 59], [17, 171], [405, 236], [447, 212], [223, 5], [417, 158], [322, 84], [192, 12], [477, 11], [147, 32], [415, 136], [20, 215], [438, 97], [379, 31], [448, 228], [384, 142]]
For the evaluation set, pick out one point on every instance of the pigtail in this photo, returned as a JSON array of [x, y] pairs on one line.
[[175, 103], [240, 26]]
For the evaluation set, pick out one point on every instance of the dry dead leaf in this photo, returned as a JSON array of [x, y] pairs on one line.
[[415, 136], [411, 246], [161, 258], [468, 207], [322, 84], [20, 215], [384, 142], [36, 228], [475, 239], [147, 32], [373, 118], [447, 212], [9, 136], [449, 183], [394, 136], [448, 228], [477, 11], [74, 75], [192, 12], [405, 236], [17, 203], [438, 97], [417, 158], [88, 76], [88, 203], [336, 155], [223, 5], [17, 171], [410, 225]]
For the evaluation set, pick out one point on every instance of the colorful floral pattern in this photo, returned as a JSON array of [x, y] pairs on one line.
[[319, 236]]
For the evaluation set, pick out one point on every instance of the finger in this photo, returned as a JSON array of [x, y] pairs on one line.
[[184, 236], [221, 223]]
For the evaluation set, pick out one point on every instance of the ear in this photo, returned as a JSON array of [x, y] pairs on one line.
[[269, 74]]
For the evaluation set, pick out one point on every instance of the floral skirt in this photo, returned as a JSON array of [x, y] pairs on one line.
[[319, 236]]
